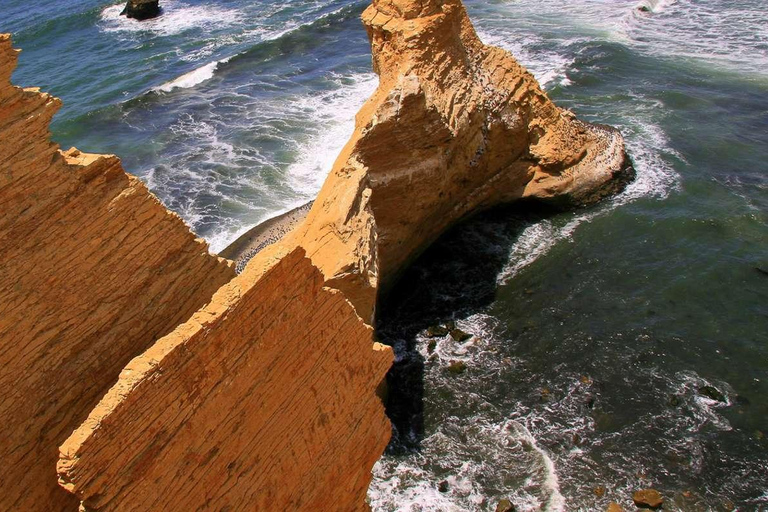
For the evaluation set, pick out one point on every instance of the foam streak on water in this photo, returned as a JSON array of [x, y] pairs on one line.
[[329, 122], [192, 78]]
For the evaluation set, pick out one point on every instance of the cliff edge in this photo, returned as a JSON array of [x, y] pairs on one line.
[[93, 270]]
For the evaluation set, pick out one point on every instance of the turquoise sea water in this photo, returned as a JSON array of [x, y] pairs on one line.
[[596, 332]]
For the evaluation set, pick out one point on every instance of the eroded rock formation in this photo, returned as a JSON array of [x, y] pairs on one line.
[[141, 9], [93, 269], [454, 127]]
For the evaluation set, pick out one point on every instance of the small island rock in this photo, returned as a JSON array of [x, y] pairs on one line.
[[141, 9], [712, 393], [648, 498]]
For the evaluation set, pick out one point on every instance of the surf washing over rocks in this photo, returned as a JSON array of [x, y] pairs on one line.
[[593, 332]]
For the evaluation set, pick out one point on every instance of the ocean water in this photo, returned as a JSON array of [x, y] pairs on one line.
[[596, 333]]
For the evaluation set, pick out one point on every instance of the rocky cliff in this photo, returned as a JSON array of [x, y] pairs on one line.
[[265, 398], [454, 127], [93, 269]]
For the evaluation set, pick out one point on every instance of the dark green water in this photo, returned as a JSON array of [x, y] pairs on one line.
[[596, 333]]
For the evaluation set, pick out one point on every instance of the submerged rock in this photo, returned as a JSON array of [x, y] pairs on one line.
[[437, 331], [648, 498], [505, 506], [614, 507], [457, 367], [712, 393], [141, 9], [459, 335]]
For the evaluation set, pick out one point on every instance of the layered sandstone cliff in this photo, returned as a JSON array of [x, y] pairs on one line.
[[264, 399], [93, 269]]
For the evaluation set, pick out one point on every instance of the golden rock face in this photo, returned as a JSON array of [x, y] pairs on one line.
[[264, 398], [93, 270]]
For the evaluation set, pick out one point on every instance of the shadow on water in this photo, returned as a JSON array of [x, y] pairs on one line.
[[453, 279]]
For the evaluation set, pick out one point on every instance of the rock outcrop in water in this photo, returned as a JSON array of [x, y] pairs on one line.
[[454, 127], [265, 398], [93, 270], [141, 9]]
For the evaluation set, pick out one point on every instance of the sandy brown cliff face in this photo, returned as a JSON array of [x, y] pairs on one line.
[[264, 400], [93, 269]]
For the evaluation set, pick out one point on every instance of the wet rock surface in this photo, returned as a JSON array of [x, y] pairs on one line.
[[141, 9]]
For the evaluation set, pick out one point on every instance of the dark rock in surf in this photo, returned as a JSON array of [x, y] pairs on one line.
[[457, 367], [459, 335], [712, 393], [437, 331], [505, 506], [141, 9], [648, 498], [443, 486]]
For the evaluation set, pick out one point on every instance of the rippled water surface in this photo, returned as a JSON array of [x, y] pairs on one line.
[[597, 336]]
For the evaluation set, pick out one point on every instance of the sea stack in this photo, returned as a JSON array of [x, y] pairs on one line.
[[141, 9], [455, 127]]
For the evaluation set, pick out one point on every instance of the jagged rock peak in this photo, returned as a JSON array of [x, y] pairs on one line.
[[93, 270]]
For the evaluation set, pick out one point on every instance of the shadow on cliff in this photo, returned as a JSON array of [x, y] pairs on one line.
[[453, 279]]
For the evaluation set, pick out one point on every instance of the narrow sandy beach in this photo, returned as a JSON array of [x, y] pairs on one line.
[[262, 235]]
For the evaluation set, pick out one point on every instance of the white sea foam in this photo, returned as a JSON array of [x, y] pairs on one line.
[[327, 120], [193, 78], [176, 18], [333, 116], [654, 6], [650, 151], [549, 69], [729, 35], [486, 450]]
